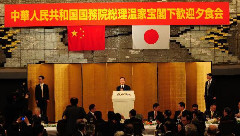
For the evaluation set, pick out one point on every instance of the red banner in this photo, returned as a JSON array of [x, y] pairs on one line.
[[127, 13]]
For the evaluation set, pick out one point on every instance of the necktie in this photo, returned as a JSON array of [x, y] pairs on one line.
[[122, 87], [155, 114], [211, 114], [208, 85], [42, 89]]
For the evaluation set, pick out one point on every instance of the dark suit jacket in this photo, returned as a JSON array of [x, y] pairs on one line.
[[38, 92], [89, 116], [151, 114], [177, 113], [73, 113], [227, 125], [160, 128], [211, 90], [137, 123], [126, 88], [215, 114]]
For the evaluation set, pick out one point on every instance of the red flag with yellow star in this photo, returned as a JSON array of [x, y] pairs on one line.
[[86, 38]]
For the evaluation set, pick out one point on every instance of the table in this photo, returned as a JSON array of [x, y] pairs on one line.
[[149, 130]]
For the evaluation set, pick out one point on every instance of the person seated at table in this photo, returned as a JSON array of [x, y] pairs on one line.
[[90, 116], [167, 115], [180, 112], [185, 119], [100, 124], [199, 121], [111, 123], [191, 130], [212, 113], [160, 124], [212, 130], [227, 122], [72, 113], [81, 129], [36, 118], [237, 112], [119, 125], [153, 114], [169, 127], [137, 123]]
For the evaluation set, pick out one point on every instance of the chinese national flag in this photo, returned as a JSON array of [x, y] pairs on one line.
[[86, 38]]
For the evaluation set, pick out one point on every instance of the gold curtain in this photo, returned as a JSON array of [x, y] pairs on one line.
[[35, 70], [144, 84], [171, 85]]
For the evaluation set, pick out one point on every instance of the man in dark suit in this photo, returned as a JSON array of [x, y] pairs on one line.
[[137, 123], [210, 92], [72, 114], [227, 123], [170, 128], [122, 86], [212, 113], [180, 112], [42, 97], [160, 124], [156, 111], [90, 116]]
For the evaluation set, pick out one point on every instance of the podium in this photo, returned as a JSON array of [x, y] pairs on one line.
[[123, 102]]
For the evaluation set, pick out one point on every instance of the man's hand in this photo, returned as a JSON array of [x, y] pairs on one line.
[[214, 98], [238, 115], [27, 121], [48, 101], [37, 101], [19, 120]]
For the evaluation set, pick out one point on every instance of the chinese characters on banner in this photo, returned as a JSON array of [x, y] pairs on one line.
[[138, 13]]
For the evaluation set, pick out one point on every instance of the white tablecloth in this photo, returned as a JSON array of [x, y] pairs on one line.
[[149, 130]]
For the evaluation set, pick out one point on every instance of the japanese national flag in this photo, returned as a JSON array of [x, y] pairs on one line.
[[150, 36]]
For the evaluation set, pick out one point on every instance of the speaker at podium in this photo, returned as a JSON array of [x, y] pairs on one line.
[[123, 102]]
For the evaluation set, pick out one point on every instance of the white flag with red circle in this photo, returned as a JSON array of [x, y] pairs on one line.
[[150, 36]]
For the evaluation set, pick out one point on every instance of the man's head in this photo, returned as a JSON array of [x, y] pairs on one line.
[[40, 79], [132, 113], [209, 76], [181, 106], [185, 119], [227, 111], [156, 107], [111, 115], [167, 113], [212, 130], [81, 127], [122, 80], [92, 108], [191, 130], [37, 111], [213, 107], [194, 107], [74, 101]]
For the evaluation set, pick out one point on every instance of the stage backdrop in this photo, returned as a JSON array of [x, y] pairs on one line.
[[165, 83]]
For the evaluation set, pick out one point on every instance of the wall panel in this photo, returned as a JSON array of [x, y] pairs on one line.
[[35, 70], [144, 83]]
